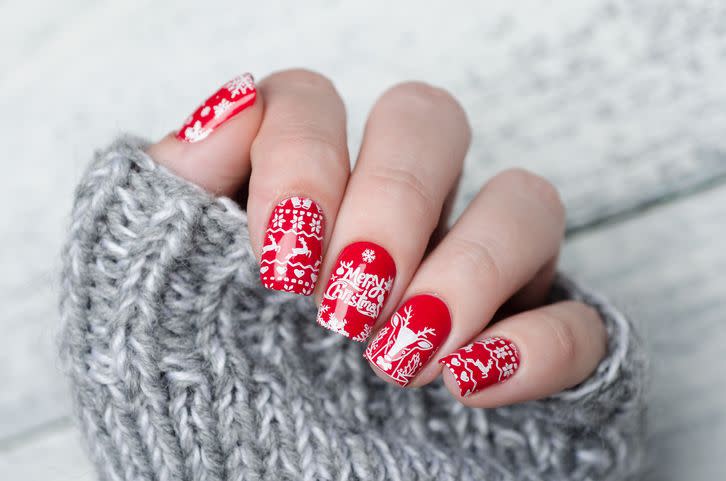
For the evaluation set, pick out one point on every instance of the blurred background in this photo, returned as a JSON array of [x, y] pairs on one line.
[[622, 104]]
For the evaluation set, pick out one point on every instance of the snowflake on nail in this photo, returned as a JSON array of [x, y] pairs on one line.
[[205, 111], [508, 369], [368, 256], [196, 132], [240, 85], [223, 106], [316, 225], [278, 220], [298, 221], [501, 352]]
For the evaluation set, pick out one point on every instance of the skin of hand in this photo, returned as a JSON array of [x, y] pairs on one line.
[[372, 246]]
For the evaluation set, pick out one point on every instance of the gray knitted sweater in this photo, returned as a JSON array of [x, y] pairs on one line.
[[184, 368]]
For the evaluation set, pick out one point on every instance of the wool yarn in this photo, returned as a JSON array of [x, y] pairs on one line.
[[182, 367]]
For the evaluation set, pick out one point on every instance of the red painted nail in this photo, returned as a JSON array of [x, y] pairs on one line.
[[407, 341], [293, 246], [231, 99], [359, 284], [482, 364]]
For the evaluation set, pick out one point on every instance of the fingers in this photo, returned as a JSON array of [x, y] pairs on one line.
[[509, 232], [212, 148], [300, 167], [415, 142], [539, 353]]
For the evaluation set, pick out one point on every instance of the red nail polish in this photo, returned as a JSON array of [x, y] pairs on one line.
[[482, 364], [359, 284], [407, 341], [293, 246], [231, 99]]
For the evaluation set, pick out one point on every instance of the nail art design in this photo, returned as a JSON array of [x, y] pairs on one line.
[[408, 340], [359, 284], [231, 99], [482, 364], [292, 251]]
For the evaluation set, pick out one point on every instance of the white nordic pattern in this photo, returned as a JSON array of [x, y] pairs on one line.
[[196, 133], [223, 106], [240, 85]]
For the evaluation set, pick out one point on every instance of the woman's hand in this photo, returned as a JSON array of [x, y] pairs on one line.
[[371, 244]]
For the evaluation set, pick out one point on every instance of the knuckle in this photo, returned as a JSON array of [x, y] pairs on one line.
[[423, 95], [543, 190], [305, 78], [565, 338], [303, 147], [478, 258], [405, 184]]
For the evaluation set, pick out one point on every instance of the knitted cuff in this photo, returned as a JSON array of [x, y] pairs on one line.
[[183, 367]]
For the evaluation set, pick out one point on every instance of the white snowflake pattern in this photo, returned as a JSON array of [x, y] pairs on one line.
[[324, 308], [501, 352], [316, 225], [240, 85], [278, 220], [368, 256], [223, 106], [508, 369], [196, 133], [298, 221]]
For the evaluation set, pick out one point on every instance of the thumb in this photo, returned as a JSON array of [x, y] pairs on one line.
[[212, 148]]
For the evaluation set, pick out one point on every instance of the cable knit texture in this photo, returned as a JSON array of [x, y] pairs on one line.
[[184, 368]]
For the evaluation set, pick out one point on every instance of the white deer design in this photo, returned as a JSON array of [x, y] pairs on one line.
[[274, 246], [299, 251], [406, 340], [480, 365]]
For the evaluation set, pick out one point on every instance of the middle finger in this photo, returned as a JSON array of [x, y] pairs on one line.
[[415, 142]]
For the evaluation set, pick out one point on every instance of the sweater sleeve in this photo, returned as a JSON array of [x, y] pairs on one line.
[[183, 367]]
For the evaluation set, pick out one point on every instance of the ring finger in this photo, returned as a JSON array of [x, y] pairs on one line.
[[502, 241], [415, 142]]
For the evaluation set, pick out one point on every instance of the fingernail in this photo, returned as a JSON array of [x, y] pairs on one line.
[[292, 250], [407, 341], [231, 99], [482, 364], [357, 289]]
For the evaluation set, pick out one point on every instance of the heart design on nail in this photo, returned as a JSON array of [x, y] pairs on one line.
[[264, 269], [299, 272], [313, 278], [464, 376], [281, 270]]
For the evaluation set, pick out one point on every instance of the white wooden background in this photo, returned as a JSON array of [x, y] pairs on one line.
[[621, 103]]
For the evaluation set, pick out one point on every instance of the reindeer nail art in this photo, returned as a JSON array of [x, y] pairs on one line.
[[482, 364], [292, 251], [231, 99], [410, 338], [359, 284]]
